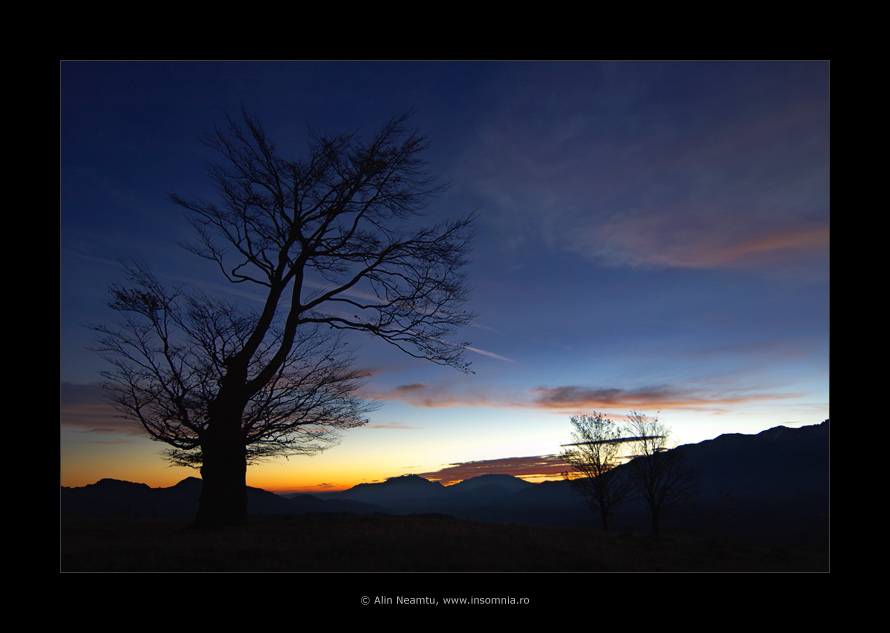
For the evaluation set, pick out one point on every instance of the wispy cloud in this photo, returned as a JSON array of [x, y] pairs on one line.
[[690, 243], [579, 398], [741, 182], [81, 406], [432, 397], [483, 352], [396, 426]]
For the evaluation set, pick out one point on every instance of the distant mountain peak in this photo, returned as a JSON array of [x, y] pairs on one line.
[[189, 482], [408, 479], [108, 482], [511, 482]]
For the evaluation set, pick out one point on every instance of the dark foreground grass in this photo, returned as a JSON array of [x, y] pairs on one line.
[[347, 543]]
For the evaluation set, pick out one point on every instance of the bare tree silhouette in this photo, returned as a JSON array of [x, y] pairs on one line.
[[658, 475], [593, 455], [333, 243]]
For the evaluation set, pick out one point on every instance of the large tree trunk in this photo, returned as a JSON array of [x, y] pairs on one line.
[[223, 500]]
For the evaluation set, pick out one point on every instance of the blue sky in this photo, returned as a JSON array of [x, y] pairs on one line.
[[652, 236]]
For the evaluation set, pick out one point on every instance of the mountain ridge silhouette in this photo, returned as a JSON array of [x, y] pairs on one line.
[[771, 486]]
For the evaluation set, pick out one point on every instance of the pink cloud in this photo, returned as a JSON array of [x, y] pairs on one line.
[[690, 242], [577, 398], [662, 397], [531, 468], [81, 406]]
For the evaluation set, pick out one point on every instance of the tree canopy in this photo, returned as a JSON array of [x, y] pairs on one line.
[[335, 243]]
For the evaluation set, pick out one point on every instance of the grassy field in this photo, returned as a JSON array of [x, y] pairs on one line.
[[346, 543]]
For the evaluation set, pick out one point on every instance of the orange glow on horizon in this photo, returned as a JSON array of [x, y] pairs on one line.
[[282, 480]]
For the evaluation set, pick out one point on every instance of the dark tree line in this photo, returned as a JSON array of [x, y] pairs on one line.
[[334, 244]]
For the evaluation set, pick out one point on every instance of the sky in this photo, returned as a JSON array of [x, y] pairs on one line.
[[652, 237]]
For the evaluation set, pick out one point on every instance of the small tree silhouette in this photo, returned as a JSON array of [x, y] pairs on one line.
[[593, 456], [658, 474]]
